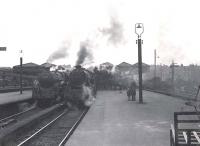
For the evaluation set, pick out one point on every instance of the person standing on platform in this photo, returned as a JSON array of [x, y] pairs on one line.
[[131, 92]]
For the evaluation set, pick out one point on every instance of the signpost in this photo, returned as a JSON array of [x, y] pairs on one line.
[[2, 48]]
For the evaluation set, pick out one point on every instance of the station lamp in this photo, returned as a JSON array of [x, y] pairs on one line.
[[139, 29]]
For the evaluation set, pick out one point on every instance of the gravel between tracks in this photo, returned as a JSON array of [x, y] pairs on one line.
[[9, 134], [54, 134], [19, 118]]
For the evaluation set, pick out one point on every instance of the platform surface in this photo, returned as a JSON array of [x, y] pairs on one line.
[[114, 121], [12, 97]]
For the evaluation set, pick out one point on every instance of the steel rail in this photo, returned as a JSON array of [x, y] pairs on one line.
[[69, 133], [17, 114], [33, 135]]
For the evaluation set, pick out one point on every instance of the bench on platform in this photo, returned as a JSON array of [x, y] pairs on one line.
[[187, 135]]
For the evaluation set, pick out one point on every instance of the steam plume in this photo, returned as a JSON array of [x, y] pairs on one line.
[[60, 53], [114, 32], [87, 96], [84, 54]]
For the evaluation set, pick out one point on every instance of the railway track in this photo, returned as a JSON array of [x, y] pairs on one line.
[[25, 122], [16, 117], [57, 131]]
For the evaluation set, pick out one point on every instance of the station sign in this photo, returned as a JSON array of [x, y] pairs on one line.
[[2, 48]]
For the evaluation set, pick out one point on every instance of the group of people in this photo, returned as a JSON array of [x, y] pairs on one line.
[[131, 92]]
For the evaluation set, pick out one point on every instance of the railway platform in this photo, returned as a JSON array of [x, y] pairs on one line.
[[114, 121], [12, 97]]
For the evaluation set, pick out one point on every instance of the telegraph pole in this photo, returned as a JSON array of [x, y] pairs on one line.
[[155, 68], [173, 73], [21, 60]]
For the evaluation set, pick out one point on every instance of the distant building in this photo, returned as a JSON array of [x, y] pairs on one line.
[[5, 69], [29, 68], [127, 69], [145, 71], [48, 66], [124, 72], [145, 67], [106, 66], [64, 67], [187, 73], [184, 73], [124, 68]]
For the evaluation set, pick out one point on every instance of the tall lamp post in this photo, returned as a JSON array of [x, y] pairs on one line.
[[139, 29], [21, 59]]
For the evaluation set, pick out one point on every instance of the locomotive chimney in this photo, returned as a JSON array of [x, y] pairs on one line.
[[78, 66]]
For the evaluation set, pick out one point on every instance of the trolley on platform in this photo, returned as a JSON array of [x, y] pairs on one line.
[[185, 131]]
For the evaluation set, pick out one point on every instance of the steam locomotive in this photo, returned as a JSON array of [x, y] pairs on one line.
[[81, 89], [48, 88], [75, 89]]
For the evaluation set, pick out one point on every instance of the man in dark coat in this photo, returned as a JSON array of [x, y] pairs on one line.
[[131, 92]]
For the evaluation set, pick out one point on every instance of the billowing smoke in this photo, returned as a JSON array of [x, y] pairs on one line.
[[87, 96], [113, 69], [60, 53], [115, 32], [84, 54]]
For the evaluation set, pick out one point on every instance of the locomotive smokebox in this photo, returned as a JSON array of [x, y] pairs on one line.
[[78, 66]]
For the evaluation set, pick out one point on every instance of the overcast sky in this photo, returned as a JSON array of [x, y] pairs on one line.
[[42, 27]]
